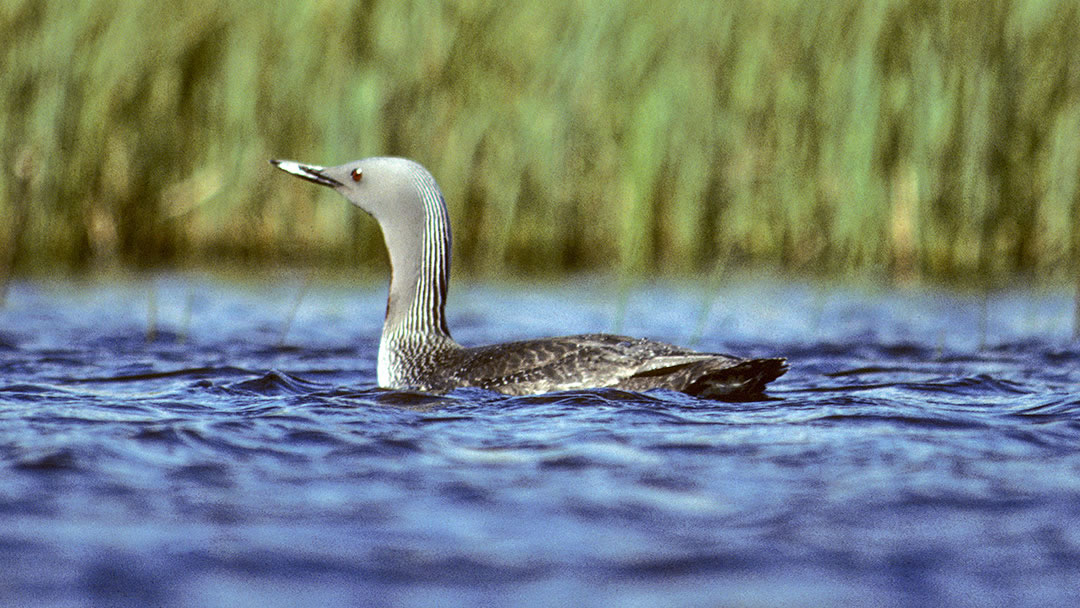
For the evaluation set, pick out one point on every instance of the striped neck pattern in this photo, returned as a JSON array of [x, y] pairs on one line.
[[425, 316]]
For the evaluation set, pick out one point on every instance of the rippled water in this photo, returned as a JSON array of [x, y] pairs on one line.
[[180, 441]]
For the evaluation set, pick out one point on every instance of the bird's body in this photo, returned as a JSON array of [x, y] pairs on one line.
[[585, 361], [416, 350]]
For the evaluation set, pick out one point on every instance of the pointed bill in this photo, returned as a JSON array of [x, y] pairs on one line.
[[312, 173]]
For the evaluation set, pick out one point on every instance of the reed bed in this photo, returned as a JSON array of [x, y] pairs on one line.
[[908, 138]]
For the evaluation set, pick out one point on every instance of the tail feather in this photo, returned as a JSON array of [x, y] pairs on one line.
[[745, 380]]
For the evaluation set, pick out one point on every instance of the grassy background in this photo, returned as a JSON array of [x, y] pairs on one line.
[[908, 138]]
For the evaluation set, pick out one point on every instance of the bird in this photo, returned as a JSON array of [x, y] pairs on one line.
[[417, 353]]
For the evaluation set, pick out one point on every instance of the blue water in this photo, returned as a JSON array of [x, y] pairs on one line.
[[178, 441]]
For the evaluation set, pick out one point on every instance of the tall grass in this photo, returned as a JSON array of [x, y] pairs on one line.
[[908, 137]]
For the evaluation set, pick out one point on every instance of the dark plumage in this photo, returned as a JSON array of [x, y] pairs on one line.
[[603, 360], [417, 352]]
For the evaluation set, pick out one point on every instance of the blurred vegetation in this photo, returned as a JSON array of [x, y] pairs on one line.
[[907, 138]]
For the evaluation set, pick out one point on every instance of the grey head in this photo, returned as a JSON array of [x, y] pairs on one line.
[[385, 187], [401, 195]]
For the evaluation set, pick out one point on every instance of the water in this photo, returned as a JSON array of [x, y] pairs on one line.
[[180, 441]]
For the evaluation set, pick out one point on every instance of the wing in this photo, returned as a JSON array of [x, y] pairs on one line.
[[582, 361]]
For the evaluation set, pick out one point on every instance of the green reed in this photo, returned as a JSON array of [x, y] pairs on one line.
[[904, 138]]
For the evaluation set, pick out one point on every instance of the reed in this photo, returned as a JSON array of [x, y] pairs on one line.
[[907, 138], [290, 318], [151, 314]]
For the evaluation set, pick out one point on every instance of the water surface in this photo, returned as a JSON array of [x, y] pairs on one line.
[[181, 441]]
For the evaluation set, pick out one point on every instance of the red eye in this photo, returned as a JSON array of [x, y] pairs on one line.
[[357, 174]]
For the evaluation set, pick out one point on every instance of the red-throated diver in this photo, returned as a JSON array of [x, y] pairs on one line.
[[417, 352]]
